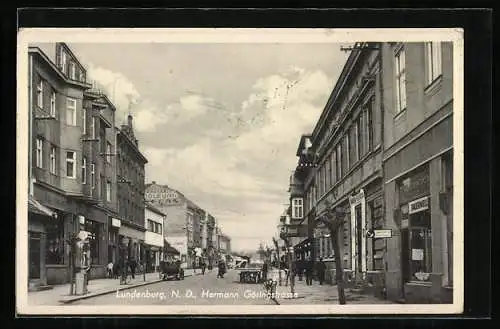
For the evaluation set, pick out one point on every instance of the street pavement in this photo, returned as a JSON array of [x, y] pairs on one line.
[[194, 290]]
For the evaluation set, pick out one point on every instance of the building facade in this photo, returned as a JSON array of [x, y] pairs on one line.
[[131, 186], [154, 238], [185, 219], [340, 167], [62, 200], [418, 169]]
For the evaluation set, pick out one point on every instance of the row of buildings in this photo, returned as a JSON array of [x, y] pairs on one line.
[[382, 153], [86, 173]]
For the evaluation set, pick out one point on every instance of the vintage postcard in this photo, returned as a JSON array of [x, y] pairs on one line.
[[240, 171]]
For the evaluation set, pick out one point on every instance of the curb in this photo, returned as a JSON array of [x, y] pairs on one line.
[[102, 293]]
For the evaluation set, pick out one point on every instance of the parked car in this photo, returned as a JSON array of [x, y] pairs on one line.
[[172, 270], [251, 273]]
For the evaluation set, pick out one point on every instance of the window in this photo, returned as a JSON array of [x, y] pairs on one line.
[[347, 152], [84, 170], [39, 152], [84, 120], [102, 184], [297, 208], [92, 175], [339, 162], [72, 72], [55, 242], [92, 127], [108, 152], [433, 61], [353, 147], [53, 104], [39, 93], [400, 81], [52, 160], [359, 136], [416, 233], [108, 191], [328, 172], [333, 167], [150, 225], [102, 138], [369, 124], [70, 164], [63, 60], [71, 112]]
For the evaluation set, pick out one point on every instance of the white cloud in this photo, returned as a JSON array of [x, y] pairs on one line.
[[245, 170], [123, 93]]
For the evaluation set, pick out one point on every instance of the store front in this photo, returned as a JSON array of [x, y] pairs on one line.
[[132, 239], [113, 241]]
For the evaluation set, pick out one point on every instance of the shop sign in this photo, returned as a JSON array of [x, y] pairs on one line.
[[81, 219], [115, 222], [419, 205], [414, 186]]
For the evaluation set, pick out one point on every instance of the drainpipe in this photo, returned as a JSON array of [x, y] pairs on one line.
[[30, 125]]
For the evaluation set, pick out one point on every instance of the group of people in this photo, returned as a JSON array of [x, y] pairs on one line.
[[304, 267], [121, 269]]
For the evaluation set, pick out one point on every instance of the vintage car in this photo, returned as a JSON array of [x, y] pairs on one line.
[[251, 273], [171, 270]]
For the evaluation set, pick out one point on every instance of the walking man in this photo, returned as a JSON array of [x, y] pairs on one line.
[[264, 271], [321, 268], [309, 271], [133, 266]]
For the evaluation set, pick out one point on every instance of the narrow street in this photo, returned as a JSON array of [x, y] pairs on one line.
[[194, 290]]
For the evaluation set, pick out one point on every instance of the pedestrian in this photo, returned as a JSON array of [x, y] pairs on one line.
[[116, 270], [222, 269], [321, 268], [300, 269], [133, 267], [203, 267], [309, 271], [264, 271], [110, 269]]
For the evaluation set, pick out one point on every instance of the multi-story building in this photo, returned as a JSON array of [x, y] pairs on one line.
[[71, 182], [131, 186], [224, 244], [340, 167], [418, 169], [154, 238], [184, 225]]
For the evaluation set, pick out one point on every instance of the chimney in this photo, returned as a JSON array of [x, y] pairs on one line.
[[129, 120]]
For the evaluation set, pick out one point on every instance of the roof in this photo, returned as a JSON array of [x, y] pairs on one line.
[[154, 209], [169, 249]]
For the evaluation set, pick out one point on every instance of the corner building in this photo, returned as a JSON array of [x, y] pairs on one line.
[[340, 165], [418, 170]]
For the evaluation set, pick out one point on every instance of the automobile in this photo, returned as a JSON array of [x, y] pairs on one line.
[[251, 273], [171, 270]]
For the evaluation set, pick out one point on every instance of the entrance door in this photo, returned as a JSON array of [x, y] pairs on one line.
[[359, 240], [34, 255]]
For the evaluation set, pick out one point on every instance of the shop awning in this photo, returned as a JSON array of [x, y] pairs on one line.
[[38, 208]]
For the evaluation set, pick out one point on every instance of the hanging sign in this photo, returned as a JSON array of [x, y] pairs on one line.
[[418, 205], [115, 222], [378, 234]]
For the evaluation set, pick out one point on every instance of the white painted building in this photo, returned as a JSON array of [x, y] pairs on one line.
[[154, 223]]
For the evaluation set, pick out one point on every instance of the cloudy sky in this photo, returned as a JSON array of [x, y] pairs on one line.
[[216, 122]]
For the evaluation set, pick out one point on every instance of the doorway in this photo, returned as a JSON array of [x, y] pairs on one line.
[[34, 255], [359, 240]]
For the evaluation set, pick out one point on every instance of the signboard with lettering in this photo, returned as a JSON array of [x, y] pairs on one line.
[[115, 222], [414, 186], [418, 205], [379, 234]]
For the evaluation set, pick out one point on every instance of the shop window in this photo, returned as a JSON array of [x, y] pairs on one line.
[[34, 255], [416, 237], [94, 229], [55, 242]]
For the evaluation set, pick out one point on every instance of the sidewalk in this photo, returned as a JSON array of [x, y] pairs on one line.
[[321, 294], [60, 293]]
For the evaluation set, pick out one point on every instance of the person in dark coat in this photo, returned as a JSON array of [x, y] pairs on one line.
[[133, 267], [222, 269], [321, 268], [309, 271], [264, 271], [203, 266]]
